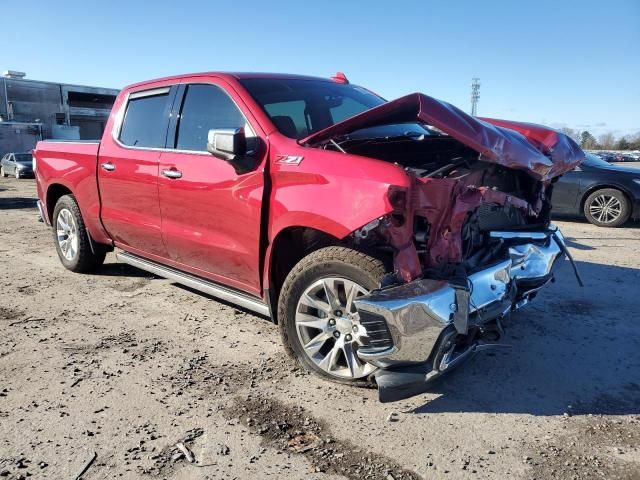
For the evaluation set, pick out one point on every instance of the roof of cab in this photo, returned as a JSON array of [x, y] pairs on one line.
[[228, 75]]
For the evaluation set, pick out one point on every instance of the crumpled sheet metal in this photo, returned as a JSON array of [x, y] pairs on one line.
[[445, 204], [544, 153]]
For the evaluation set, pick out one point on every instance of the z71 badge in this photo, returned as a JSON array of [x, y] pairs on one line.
[[289, 159]]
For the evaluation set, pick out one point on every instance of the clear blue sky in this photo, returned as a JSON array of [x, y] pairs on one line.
[[573, 63]]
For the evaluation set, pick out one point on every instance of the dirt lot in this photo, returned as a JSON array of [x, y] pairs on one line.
[[122, 366]]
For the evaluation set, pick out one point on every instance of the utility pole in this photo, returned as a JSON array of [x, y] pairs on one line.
[[475, 95]]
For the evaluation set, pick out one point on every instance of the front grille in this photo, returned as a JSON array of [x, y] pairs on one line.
[[378, 335]]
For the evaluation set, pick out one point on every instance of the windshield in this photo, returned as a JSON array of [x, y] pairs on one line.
[[300, 107], [592, 160], [410, 130], [23, 158]]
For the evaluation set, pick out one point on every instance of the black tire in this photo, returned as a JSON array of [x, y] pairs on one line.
[[341, 262], [594, 201], [84, 259]]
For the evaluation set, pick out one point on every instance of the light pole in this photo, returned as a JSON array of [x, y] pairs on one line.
[[475, 95]]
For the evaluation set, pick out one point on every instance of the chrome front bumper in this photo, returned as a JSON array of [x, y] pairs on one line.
[[407, 322]]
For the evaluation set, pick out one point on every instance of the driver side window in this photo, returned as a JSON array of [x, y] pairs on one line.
[[207, 107]]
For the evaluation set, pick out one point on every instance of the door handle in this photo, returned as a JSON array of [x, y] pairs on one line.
[[108, 166], [172, 173]]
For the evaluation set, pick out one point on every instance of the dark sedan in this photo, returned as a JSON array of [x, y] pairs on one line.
[[607, 195], [18, 165]]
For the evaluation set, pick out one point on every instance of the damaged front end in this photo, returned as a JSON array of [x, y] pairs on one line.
[[470, 237], [464, 258], [421, 329]]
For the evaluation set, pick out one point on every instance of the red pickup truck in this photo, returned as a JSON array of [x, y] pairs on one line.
[[388, 240]]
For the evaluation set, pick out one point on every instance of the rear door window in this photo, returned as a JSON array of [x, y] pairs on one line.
[[145, 121]]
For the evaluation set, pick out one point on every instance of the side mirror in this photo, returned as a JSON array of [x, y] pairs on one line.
[[227, 143]]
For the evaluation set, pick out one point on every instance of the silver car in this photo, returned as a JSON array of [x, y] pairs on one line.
[[19, 165]]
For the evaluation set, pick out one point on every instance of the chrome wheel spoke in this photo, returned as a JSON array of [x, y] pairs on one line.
[[328, 363], [61, 224], [352, 293], [72, 249], [330, 291], [310, 321], [605, 208], [353, 362], [602, 215], [66, 233], [316, 343], [328, 327], [315, 303]]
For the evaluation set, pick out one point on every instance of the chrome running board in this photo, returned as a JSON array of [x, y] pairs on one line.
[[205, 286]]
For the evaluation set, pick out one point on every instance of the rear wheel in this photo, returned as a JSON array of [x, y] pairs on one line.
[[318, 320], [72, 239], [607, 207]]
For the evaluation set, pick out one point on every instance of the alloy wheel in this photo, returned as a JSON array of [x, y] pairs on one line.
[[67, 234], [605, 208], [328, 327]]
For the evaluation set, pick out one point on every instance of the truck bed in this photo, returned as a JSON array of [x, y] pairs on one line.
[[70, 165]]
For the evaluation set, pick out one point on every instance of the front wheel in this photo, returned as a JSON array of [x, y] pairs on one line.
[[607, 207], [318, 321], [72, 239], [17, 174]]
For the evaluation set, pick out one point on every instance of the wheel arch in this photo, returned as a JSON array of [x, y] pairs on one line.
[[93, 225], [603, 186], [54, 192], [294, 242], [290, 245]]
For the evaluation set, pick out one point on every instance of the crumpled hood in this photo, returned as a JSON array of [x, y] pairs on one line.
[[545, 153]]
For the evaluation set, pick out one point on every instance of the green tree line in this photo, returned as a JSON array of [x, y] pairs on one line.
[[606, 141]]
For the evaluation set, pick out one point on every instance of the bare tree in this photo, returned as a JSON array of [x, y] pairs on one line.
[[570, 132], [607, 141]]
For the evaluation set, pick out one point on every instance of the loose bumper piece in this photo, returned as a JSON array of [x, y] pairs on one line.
[[408, 322]]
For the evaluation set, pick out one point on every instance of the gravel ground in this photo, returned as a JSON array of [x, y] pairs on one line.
[[129, 376]]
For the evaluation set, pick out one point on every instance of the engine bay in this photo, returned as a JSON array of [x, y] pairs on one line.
[[440, 225]]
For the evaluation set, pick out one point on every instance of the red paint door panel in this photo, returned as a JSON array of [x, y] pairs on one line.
[[210, 214], [211, 218], [129, 196], [128, 171]]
